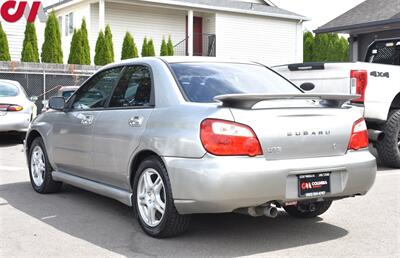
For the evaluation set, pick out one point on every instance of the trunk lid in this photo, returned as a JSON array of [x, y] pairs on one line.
[[296, 127]]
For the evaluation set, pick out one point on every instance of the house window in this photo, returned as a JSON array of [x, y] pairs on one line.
[[60, 23], [69, 24]]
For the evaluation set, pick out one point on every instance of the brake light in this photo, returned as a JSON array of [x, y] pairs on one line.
[[224, 138], [14, 108], [359, 81], [359, 136]]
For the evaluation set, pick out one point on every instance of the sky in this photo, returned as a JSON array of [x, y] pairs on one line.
[[319, 11]]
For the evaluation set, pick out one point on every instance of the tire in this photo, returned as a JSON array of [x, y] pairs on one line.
[[147, 197], [308, 210], [388, 149], [40, 169]]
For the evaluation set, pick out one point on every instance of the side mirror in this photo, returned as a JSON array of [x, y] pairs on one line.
[[33, 98], [307, 86], [57, 103]]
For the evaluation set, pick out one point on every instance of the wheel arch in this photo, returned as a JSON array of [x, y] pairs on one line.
[[139, 158], [395, 103], [30, 138]]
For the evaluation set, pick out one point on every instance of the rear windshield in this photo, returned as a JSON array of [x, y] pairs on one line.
[[201, 82], [8, 90]]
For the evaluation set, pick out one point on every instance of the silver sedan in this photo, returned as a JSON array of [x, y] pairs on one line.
[[16, 110], [177, 136]]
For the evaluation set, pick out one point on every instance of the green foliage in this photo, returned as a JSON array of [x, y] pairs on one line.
[[4, 51], [76, 50], [129, 49], [145, 51], [85, 44], [164, 48], [100, 50], [109, 44], [170, 46], [327, 47], [30, 50], [150, 48], [51, 49]]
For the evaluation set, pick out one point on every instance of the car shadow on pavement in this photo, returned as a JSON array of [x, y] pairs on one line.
[[10, 139], [108, 224]]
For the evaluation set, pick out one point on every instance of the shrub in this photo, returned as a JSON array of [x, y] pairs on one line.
[[30, 50], [85, 44], [100, 50], [150, 49], [76, 54], [129, 49], [4, 51], [170, 46], [109, 44], [164, 48], [51, 49], [145, 51]]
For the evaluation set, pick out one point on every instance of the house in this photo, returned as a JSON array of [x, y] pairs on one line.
[[366, 22], [251, 29]]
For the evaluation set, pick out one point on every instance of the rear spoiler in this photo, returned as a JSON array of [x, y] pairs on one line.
[[247, 101]]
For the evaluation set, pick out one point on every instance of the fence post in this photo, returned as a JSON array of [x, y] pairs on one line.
[[44, 84]]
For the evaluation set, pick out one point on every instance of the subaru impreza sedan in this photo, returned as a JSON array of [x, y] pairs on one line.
[[178, 136]]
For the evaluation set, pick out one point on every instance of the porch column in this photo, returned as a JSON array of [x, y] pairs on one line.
[[102, 25], [190, 33]]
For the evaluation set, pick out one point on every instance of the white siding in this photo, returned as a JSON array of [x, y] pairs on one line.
[[140, 21], [268, 40], [79, 11]]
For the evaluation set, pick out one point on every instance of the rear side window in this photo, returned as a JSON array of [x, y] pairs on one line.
[[8, 90], [134, 88], [201, 82]]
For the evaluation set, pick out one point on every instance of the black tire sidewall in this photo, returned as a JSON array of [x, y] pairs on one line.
[[157, 165], [47, 174], [388, 150]]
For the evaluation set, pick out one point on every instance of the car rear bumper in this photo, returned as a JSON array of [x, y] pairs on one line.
[[15, 122], [222, 184]]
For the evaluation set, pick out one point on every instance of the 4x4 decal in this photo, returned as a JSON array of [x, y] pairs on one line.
[[379, 74]]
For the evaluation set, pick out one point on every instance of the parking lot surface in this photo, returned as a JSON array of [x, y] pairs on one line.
[[77, 223]]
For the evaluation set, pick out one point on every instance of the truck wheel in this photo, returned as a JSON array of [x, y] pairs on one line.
[[153, 202], [40, 169], [389, 148], [308, 210]]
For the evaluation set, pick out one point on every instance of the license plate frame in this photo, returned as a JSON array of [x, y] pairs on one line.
[[314, 184]]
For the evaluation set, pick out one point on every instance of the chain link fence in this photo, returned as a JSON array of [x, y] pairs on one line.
[[44, 80]]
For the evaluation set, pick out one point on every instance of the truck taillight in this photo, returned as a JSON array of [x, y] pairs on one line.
[[225, 138], [359, 136], [359, 81]]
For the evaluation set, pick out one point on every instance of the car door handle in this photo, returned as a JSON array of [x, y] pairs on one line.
[[87, 120], [135, 121]]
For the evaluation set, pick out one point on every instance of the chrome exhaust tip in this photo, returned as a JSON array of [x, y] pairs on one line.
[[271, 211], [375, 135]]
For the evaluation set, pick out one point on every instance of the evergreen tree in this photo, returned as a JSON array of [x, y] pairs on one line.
[[151, 51], [164, 48], [30, 54], [145, 51], [100, 50], [85, 44], [76, 53], [4, 51], [109, 43], [308, 46], [51, 49], [129, 49], [170, 46]]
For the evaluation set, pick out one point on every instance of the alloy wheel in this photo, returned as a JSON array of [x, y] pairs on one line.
[[38, 166]]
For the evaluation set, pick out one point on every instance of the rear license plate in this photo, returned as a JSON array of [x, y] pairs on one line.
[[314, 184]]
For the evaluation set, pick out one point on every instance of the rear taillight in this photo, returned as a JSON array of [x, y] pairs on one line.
[[224, 138], [15, 108], [359, 136], [359, 81]]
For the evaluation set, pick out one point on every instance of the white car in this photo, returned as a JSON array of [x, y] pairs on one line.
[[377, 81], [16, 110]]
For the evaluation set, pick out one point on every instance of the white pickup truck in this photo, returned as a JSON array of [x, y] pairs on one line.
[[377, 81]]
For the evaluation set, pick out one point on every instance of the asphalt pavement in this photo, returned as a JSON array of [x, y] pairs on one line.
[[77, 223]]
